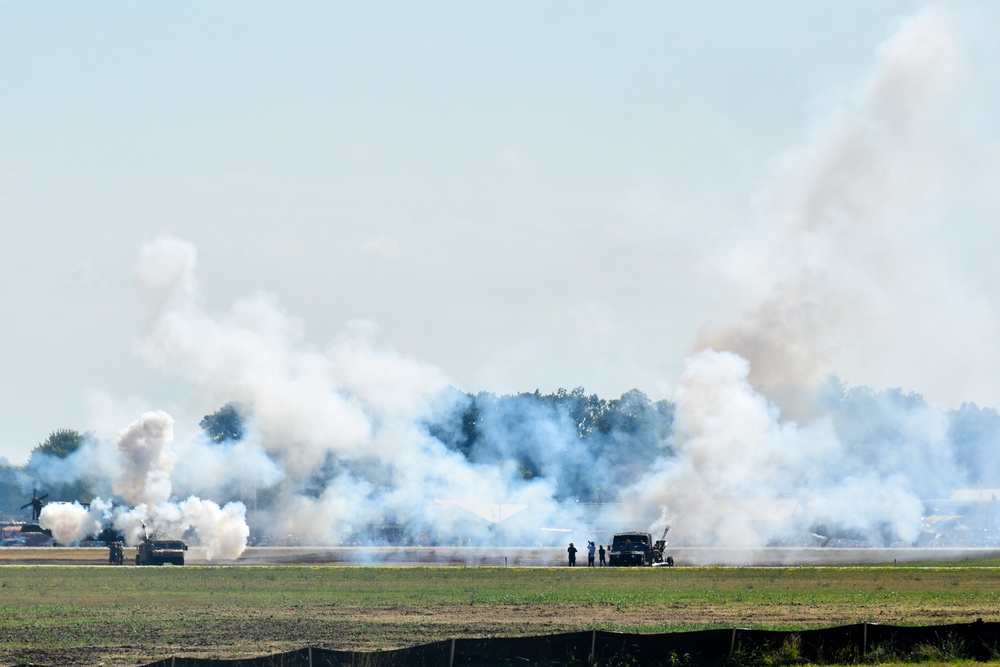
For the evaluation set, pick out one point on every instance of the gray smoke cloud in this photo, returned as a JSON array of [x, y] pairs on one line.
[[847, 272], [847, 264]]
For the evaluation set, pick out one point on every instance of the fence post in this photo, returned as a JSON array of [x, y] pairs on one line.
[[864, 640], [593, 645], [451, 657], [732, 642]]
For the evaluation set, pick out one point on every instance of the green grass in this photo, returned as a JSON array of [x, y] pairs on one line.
[[127, 616]]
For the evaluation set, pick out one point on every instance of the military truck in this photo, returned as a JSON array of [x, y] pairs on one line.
[[631, 550], [159, 552], [639, 549]]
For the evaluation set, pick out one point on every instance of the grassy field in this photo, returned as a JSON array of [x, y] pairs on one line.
[[128, 616]]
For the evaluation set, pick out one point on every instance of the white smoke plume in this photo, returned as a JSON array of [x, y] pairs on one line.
[[742, 477], [144, 483], [336, 435], [847, 272], [72, 522], [846, 265], [223, 531], [145, 445]]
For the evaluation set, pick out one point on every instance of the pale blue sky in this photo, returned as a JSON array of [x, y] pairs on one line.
[[525, 195]]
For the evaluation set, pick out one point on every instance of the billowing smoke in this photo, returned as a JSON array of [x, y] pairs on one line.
[[145, 446], [847, 272], [336, 437], [722, 465], [762, 444], [846, 264], [72, 522], [743, 477], [144, 483]]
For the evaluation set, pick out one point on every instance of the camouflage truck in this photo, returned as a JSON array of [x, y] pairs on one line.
[[159, 552], [631, 550], [639, 550]]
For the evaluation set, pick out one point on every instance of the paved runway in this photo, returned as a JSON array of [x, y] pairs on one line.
[[508, 556], [556, 556]]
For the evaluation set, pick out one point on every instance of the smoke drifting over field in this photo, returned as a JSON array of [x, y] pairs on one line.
[[766, 444]]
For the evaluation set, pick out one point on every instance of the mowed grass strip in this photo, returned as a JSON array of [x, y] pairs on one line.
[[129, 616]]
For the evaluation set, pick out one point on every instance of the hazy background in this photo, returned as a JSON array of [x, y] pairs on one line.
[[524, 196]]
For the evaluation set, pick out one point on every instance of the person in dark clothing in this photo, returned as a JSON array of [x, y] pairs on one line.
[[572, 554], [600, 553]]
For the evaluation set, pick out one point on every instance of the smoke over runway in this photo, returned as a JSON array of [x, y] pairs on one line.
[[771, 438]]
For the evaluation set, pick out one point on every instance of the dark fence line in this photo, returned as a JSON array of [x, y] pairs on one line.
[[734, 646]]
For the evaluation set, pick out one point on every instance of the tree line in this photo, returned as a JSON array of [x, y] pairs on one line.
[[587, 445]]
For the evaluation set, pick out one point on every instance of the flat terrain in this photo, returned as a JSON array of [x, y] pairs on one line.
[[116, 616]]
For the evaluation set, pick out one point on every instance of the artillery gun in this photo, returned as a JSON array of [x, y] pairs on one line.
[[659, 548], [159, 552]]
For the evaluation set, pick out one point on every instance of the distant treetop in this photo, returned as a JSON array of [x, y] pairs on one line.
[[60, 443], [224, 424]]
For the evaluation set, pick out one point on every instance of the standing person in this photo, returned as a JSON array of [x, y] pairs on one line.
[[591, 549], [572, 555], [601, 552]]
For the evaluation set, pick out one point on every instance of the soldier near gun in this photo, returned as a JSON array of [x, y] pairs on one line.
[[572, 554], [116, 553]]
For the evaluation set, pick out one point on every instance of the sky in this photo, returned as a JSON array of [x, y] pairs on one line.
[[522, 196]]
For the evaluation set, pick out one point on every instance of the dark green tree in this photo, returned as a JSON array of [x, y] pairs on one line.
[[224, 424], [59, 444], [50, 467]]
